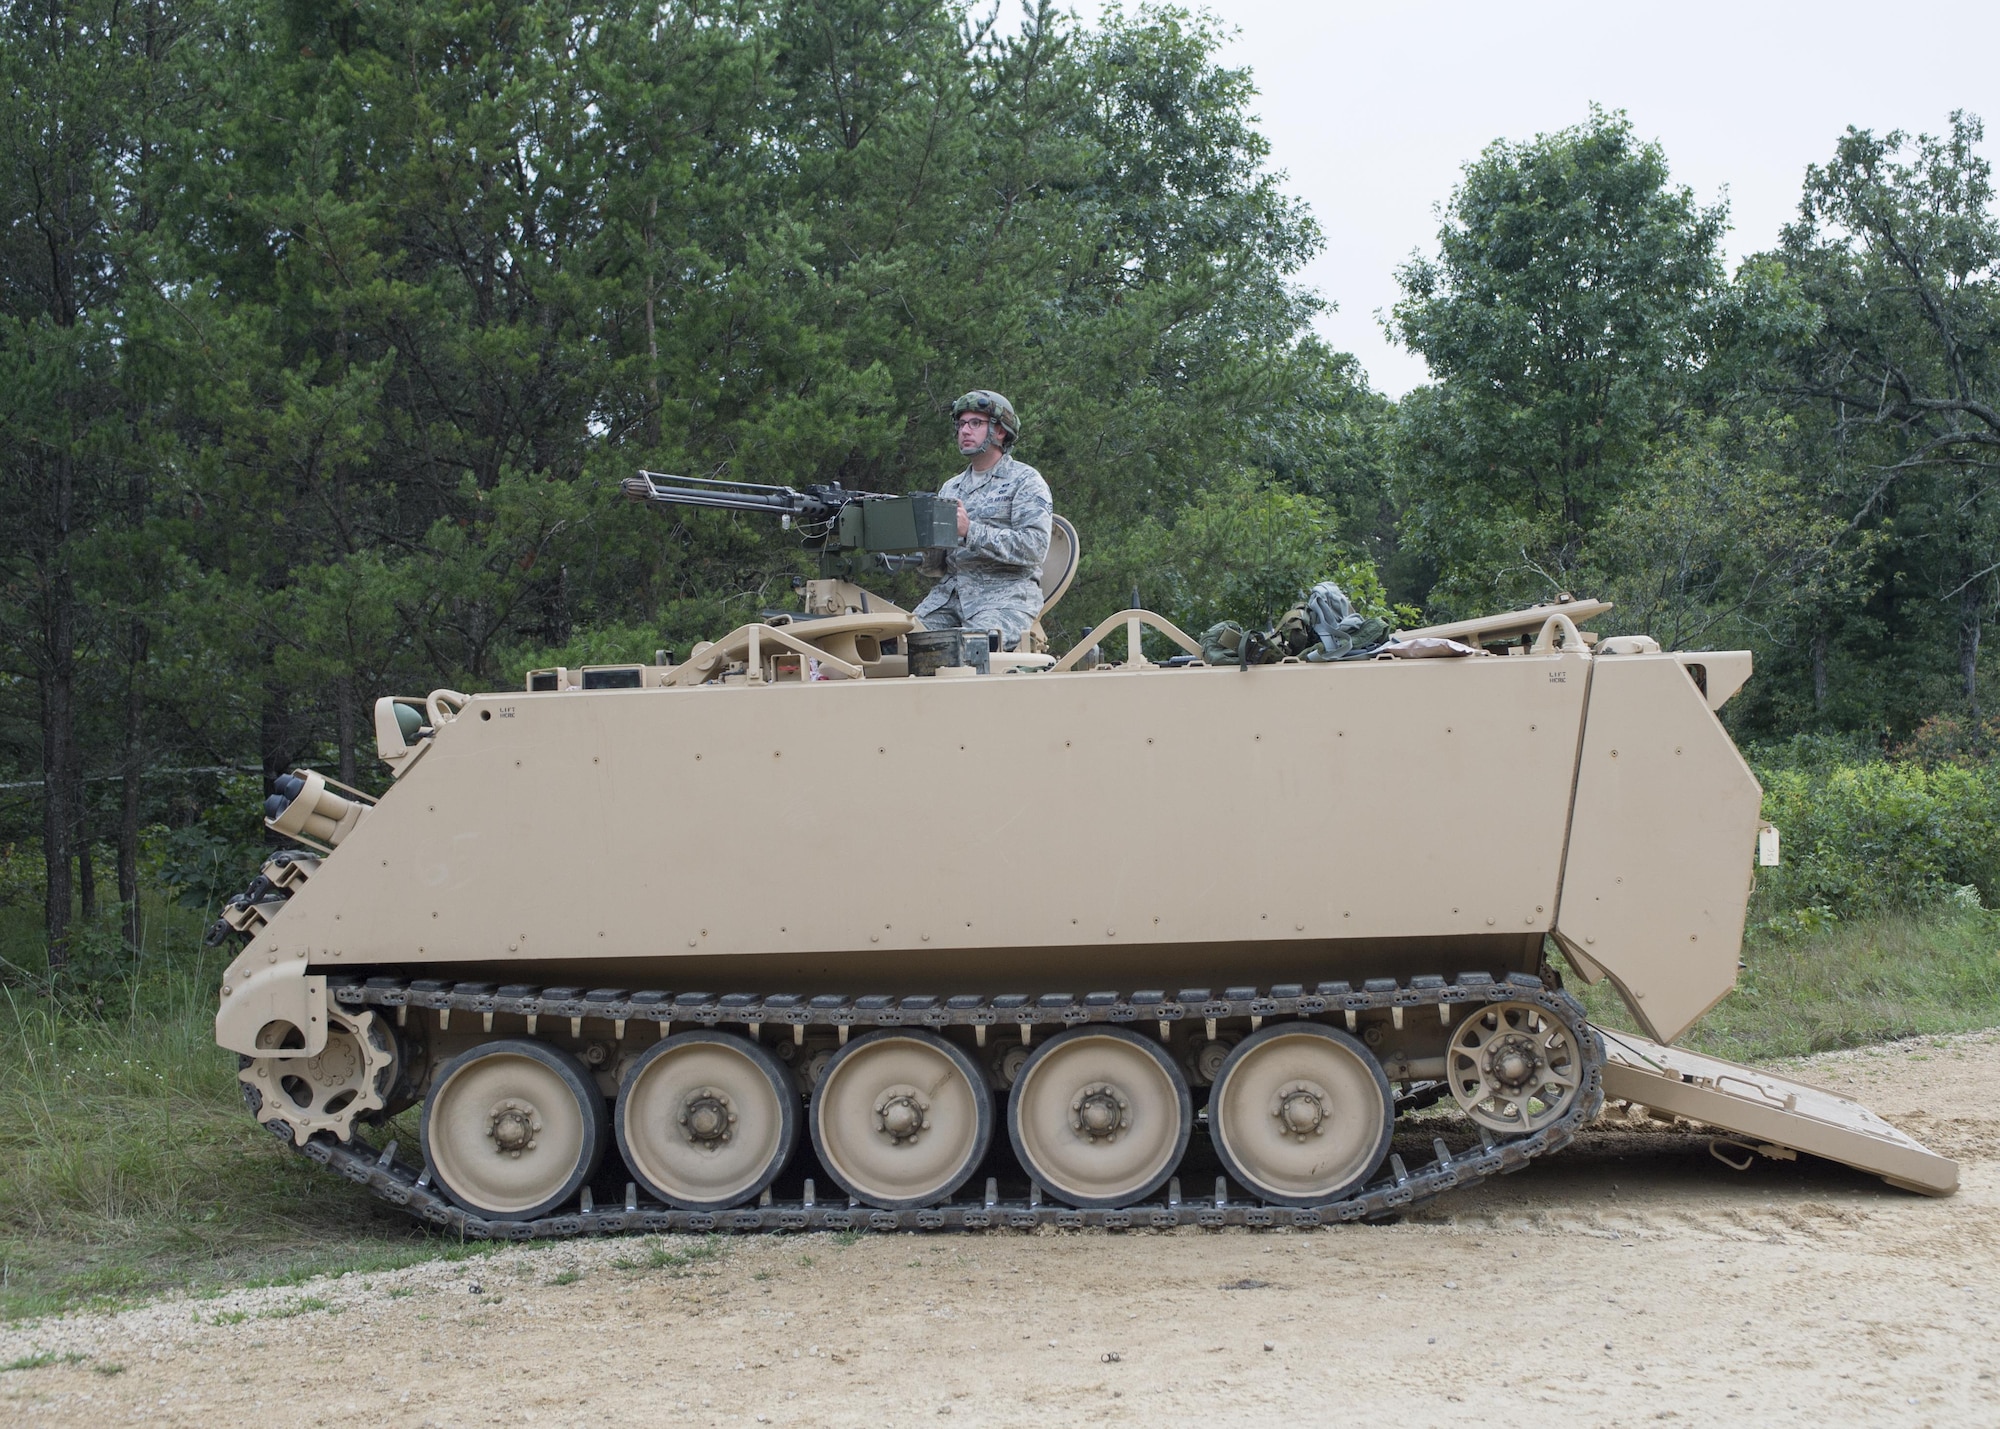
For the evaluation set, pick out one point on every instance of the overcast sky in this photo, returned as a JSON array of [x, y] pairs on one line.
[[1373, 108]]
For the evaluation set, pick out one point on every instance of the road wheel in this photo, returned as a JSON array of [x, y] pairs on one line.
[[705, 1120], [901, 1119], [512, 1129], [1100, 1117], [1301, 1114]]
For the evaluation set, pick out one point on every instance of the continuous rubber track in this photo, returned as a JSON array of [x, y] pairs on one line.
[[1395, 1189]]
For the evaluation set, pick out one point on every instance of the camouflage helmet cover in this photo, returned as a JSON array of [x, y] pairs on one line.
[[990, 404]]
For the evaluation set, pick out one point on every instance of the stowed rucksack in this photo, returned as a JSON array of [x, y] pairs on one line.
[[1227, 643], [1324, 626]]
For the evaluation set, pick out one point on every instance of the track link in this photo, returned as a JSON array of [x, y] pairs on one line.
[[1395, 1190]]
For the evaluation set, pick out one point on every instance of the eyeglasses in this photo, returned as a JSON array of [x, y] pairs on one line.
[[964, 422]]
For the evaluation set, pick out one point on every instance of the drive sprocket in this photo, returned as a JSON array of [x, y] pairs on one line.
[[350, 1076]]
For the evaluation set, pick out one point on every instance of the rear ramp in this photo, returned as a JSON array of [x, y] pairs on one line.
[[1770, 1111]]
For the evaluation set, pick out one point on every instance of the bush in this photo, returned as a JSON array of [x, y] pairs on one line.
[[1875, 836], [23, 875], [1947, 739], [203, 863]]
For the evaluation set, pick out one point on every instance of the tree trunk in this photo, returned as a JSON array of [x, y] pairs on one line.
[[1819, 671], [58, 794], [61, 760], [343, 711], [275, 734], [86, 867], [652, 331], [1971, 614], [128, 804]]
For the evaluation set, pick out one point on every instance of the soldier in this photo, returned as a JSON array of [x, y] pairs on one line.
[[992, 579]]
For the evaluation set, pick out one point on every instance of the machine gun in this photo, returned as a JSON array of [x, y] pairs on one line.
[[847, 528]]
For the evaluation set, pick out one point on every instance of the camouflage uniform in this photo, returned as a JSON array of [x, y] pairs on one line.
[[992, 580]]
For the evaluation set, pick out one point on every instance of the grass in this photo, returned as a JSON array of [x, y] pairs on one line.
[[304, 1305], [659, 1256], [1845, 985], [129, 1167], [42, 1361]]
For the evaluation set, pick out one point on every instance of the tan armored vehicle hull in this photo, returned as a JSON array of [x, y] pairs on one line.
[[737, 907]]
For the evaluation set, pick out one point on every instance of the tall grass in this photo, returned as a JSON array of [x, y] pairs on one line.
[[1839, 985], [128, 1164]]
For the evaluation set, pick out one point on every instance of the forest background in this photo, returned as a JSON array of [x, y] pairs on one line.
[[327, 328]]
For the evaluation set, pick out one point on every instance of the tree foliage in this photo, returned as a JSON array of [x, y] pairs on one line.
[[1798, 457], [1571, 300], [1897, 249], [329, 326]]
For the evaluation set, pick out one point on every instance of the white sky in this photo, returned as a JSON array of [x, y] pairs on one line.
[[1372, 109]]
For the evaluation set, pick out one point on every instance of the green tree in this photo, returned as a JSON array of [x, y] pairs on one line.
[[1897, 247], [1244, 552], [1564, 318], [91, 94], [332, 323]]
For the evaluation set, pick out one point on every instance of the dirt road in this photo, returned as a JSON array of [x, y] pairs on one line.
[[1630, 1280]]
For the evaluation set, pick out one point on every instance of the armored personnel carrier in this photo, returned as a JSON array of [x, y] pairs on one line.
[[1001, 939]]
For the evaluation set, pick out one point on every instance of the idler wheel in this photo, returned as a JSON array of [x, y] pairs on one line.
[[706, 1120], [1512, 1060], [1513, 1067], [1100, 1117], [1301, 1114], [901, 1119], [512, 1129]]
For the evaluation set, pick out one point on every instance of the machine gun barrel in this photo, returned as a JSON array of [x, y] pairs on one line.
[[819, 504], [852, 531]]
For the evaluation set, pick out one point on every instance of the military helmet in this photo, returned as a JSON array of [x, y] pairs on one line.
[[990, 404]]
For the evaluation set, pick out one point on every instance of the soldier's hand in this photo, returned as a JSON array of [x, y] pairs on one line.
[[964, 522]]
